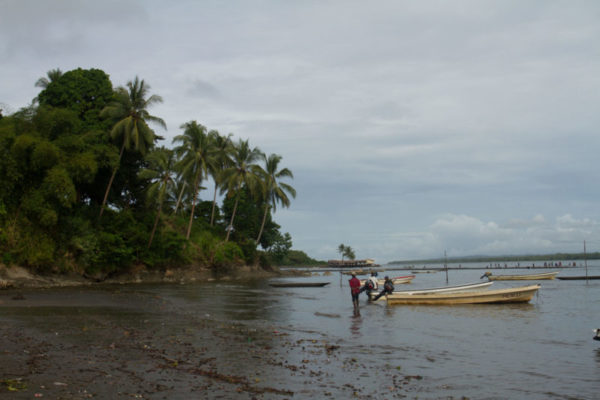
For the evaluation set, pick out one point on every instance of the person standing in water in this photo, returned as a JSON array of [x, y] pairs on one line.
[[355, 291]]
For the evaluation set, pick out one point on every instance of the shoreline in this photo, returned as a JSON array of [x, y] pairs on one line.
[[16, 277], [129, 343]]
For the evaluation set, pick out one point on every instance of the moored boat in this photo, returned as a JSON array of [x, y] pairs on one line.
[[577, 278], [298, 284], [467, 287], [522, 277], [396, 280], [508, 295]]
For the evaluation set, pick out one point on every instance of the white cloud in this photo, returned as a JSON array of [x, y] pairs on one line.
[[411, 127]]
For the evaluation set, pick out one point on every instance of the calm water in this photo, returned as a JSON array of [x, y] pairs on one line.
[[540, 350]]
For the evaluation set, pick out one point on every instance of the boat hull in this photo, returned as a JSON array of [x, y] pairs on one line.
[[509, 295], [577, 278], [445, 289], [524, 277]]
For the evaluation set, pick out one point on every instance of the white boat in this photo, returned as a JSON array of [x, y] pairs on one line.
[[396, 280], [450, 289], [522, 277], [443, 289], [508, 295]]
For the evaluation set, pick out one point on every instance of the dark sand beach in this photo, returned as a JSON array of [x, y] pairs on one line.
[[125, 341]]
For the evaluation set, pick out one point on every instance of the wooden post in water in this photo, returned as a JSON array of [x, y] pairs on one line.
[[585, 262], [446, 266]]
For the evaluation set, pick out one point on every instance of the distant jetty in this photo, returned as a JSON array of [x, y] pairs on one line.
[[366, 263]]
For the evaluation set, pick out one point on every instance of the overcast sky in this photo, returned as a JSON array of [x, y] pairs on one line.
[[411, 127]]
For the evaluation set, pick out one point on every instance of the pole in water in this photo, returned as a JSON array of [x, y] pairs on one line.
[[585, 261], [446, 266]]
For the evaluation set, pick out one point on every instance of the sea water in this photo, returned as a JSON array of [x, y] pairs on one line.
[[537, 350]]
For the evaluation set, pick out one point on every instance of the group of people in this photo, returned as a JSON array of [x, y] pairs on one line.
[[370, 285]]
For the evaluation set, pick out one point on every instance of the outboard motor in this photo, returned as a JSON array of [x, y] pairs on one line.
[[597, 332]]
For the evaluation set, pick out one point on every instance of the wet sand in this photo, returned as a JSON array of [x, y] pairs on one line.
[[113, 344]]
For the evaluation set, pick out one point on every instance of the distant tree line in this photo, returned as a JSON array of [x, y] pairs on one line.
[[549, 257], [87, 186]]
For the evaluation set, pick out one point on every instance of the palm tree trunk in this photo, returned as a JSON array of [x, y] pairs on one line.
[[111, 180], [154, 227], [232, 217], [212, 215], [262, 225], [179, 198], [189, 230]]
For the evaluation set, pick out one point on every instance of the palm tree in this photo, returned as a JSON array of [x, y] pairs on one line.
[[52, 76], [342, 250], [129, 110], [242, 172], [276, 191], [196, 156], [349, 252], [160, 168], [222, 147]]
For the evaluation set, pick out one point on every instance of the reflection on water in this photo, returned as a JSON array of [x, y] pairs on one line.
[[355, 325]]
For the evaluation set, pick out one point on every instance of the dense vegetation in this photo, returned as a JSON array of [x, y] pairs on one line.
[[88, 186]]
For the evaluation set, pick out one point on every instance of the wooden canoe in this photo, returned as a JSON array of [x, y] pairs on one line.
[[577, 278], [298, 284], [509, 295], [467, 287], [523, 277]]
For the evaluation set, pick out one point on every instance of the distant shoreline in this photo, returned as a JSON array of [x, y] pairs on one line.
[[558, 257]]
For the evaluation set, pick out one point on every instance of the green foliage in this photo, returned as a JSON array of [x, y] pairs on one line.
[[57, 160], [44, 155], [58, 186], [36, 207], [83, 167], [298, 257], [22, 148], [111, 252], [55, 122], [248, 215], [295, 258], [281, 247], [35, 248], [167, 250], [86, 92], [227, 254]]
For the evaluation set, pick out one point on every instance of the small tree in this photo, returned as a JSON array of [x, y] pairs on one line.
[[349, 253], [342, 250]]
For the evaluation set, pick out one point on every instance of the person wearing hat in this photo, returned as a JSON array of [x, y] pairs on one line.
[[388, 288], [354, 291]]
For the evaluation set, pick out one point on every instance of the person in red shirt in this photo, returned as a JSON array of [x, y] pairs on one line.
[[355, 291]]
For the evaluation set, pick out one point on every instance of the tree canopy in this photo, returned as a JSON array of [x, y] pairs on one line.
[[84, 147]]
